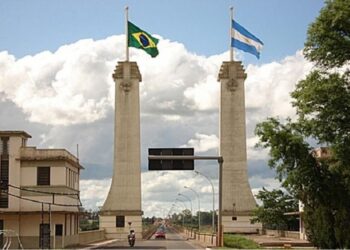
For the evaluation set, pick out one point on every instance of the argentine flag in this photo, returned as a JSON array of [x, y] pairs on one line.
[[244, 40]]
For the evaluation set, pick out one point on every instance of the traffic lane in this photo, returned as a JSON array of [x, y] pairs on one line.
[[173, 241], [170, 234]]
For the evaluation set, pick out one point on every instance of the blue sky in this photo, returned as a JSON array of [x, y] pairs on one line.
[[57, 58], [29, 27]]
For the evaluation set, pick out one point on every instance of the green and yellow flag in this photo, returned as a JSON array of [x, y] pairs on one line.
[[142, 40]]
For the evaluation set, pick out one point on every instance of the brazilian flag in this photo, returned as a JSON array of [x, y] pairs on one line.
[[142, 40]]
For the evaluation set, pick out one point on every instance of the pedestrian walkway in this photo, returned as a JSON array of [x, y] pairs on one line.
[[96, 245], [276, 241], [193, 241]]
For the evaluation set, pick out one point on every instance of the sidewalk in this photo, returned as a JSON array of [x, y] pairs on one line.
[[95, 245], [276, 241], [194, 242]]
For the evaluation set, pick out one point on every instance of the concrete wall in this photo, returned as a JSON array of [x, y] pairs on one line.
[[33, 206], [113, 232], [14, 171], [91, 236], [27, 226], [288, 234], [242, 224], [59, 173], [206, 239]]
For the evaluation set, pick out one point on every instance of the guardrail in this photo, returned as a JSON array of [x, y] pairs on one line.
[[150, 231], [206, 238]]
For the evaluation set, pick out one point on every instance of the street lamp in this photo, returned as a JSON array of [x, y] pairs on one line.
[[199, 207], [183, 215], [220, 160], [188, 198], [213, 191]]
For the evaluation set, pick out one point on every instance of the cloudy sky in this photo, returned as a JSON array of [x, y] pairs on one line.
[[56, 61]]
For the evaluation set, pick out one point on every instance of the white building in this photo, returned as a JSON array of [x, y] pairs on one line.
[[39, 194]]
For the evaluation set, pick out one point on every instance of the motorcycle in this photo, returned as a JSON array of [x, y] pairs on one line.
[[131, 238]]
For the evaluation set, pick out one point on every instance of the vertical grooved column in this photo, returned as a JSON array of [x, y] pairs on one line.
[[124, 197], [238, 201]]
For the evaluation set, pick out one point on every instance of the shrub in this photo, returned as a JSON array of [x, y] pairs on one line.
[[239, 241]]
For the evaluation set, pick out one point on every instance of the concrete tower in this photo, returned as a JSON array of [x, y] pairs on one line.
[[237, 200], [122, 208]]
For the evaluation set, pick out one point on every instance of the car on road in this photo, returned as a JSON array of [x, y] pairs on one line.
[[160, 234]]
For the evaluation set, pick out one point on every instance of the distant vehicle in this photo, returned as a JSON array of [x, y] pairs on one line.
[[160, 234]]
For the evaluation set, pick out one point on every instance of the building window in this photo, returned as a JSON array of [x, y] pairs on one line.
[[43, 176], [120, 221], [4, 177], [4, 145], [59, 230]]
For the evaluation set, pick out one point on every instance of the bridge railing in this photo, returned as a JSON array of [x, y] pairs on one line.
[[206, 238]]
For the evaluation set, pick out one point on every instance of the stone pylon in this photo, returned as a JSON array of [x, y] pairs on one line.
[[121, 211], [237, 198]]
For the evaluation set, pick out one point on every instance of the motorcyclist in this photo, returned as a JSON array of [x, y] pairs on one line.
[[131, 238]]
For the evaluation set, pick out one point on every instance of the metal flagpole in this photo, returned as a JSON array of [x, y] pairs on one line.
[[231, 33], [127, 33]]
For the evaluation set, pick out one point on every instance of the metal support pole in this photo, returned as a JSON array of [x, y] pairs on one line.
[[220, 227], [192, 157], [49, 226], [231, 35], [183, 203], [199, 207], [42, 226], [191, 206], [213, 191], [126, 34]]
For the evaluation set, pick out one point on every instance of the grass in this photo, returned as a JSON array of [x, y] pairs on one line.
[[239, 242]]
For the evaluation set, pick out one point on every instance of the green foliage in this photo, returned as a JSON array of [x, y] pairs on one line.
[[239, 242], [322, 187], [275, 205], [328, 41], [148, 220], [207, 217], [89, 225], [322, 102], [89, 220]]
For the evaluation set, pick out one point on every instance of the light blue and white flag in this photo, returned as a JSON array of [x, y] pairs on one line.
[[244, 40]]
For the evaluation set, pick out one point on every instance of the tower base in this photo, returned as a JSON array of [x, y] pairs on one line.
[[240, 224], [131, 222]]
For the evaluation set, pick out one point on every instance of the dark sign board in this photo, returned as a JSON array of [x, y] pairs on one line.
[[171, 164]]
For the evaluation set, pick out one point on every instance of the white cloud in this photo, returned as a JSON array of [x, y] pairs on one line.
[[203, 143], [268, 86], [69, 86], [204, 94], [94, 192], [160, 190], [255, 153], [71, 92]]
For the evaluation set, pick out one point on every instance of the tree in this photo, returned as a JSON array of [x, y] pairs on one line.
[[322, 102], [330, 33], [272, 212]]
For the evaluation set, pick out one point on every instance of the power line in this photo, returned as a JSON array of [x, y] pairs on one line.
[[4, 188], [43, 192], [43, 202]]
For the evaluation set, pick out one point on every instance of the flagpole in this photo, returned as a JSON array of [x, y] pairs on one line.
[[127, 33], [231, 33]]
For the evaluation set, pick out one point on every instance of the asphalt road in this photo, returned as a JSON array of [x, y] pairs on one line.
[[173, 241]]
